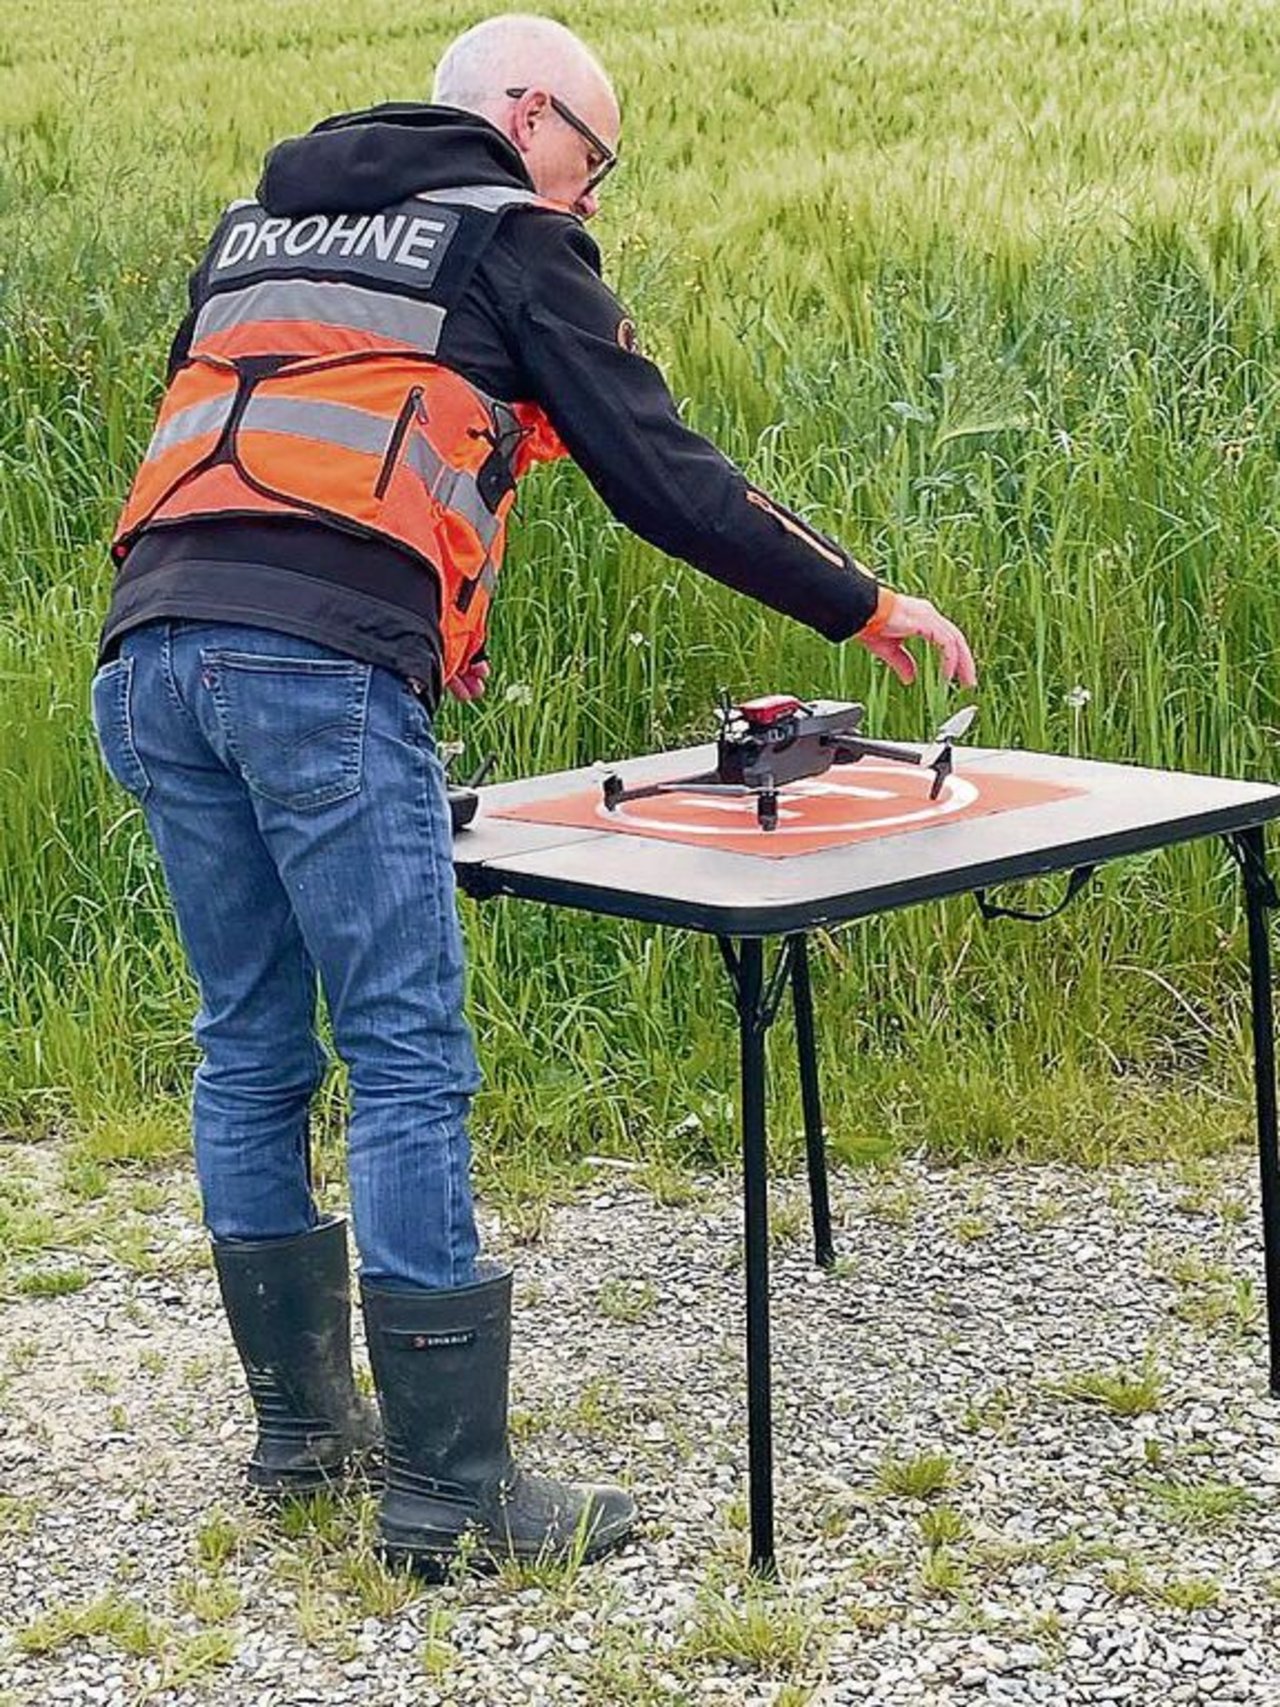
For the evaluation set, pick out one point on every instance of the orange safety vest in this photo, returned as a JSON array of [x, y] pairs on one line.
[[311, 389]]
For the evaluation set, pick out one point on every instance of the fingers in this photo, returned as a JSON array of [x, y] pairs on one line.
[[957, 659], [895, 655], [967, 669], [468, 684], [920, 619]]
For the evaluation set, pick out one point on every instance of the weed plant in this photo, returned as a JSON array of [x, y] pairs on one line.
[[993, 300]]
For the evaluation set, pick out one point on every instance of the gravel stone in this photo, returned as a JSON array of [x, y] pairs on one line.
[[1074, 1529]]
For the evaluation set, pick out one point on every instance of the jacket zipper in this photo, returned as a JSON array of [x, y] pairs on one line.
[[408, 409], [793, 526]]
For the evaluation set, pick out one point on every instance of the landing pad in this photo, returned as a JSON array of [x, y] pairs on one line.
[[1043, 813], [854, 803]]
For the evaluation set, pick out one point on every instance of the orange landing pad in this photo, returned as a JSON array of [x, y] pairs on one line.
[[851, 804]]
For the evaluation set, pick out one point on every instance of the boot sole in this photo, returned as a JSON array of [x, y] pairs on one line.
[[433, 1564]]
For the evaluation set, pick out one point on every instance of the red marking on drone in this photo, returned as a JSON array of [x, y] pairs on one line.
[[770, 708], [863, 802]]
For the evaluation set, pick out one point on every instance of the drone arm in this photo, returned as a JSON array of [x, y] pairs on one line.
[[615, 794], [849, 752], [938, 759]]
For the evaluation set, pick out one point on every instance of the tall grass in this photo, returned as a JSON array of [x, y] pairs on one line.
[[990, 292]]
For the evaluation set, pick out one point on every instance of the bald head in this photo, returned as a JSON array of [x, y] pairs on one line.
[[518, 51], [547, 93]]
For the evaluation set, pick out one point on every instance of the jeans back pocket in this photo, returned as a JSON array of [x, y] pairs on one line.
[[112, 705], [294, 727]]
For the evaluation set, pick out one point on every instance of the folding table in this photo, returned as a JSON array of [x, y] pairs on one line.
[[742, 899]]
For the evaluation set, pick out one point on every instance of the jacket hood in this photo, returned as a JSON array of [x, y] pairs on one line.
[[360, 162]]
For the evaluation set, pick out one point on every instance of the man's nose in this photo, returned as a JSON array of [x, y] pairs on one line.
[[587, 205]]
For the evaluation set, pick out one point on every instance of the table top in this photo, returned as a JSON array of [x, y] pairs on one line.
[[1118, 810]]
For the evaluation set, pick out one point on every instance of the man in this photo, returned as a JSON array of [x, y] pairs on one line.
[[406, 318]]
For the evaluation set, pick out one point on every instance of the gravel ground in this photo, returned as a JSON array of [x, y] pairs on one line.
[[1025, 1453]]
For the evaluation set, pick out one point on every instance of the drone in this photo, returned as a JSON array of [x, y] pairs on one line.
[[765, 744]]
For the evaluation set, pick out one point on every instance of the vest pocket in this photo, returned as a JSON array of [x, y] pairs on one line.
[[408, 409]]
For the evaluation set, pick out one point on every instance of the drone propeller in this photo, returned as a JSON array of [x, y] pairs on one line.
[[950, 731], [958, 725], [938, 757]]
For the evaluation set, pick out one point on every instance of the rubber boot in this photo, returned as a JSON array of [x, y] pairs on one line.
[[440, 1364], [289, 1305]]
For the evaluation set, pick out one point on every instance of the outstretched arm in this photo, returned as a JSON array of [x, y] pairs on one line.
[[673, 487]]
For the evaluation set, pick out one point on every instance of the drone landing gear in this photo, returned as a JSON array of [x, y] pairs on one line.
[[766, 797]]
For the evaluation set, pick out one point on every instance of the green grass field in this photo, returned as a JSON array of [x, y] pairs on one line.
[[988, 291]]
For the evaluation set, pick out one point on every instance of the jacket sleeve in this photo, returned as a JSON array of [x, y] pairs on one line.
[[667, 483]]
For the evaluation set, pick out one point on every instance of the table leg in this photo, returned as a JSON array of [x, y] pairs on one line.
[[815, 1149], [1251, 851], [756, 1008]]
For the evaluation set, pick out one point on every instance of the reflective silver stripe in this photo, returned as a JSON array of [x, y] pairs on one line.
[[488, 197], [336, 423], [417, 324], [362, 430], [453, 487], [191, 423]]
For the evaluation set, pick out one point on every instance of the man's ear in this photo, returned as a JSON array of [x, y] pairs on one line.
[[526, 118]]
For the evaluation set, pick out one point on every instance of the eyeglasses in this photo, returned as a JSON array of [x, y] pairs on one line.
[[608, 159]]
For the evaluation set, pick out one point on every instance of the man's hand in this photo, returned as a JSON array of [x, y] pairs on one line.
[[917, 617], [468, 684]]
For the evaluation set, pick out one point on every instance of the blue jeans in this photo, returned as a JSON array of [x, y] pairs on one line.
[[298, 807]]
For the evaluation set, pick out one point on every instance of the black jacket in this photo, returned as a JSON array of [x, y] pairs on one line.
[[535, 324]]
